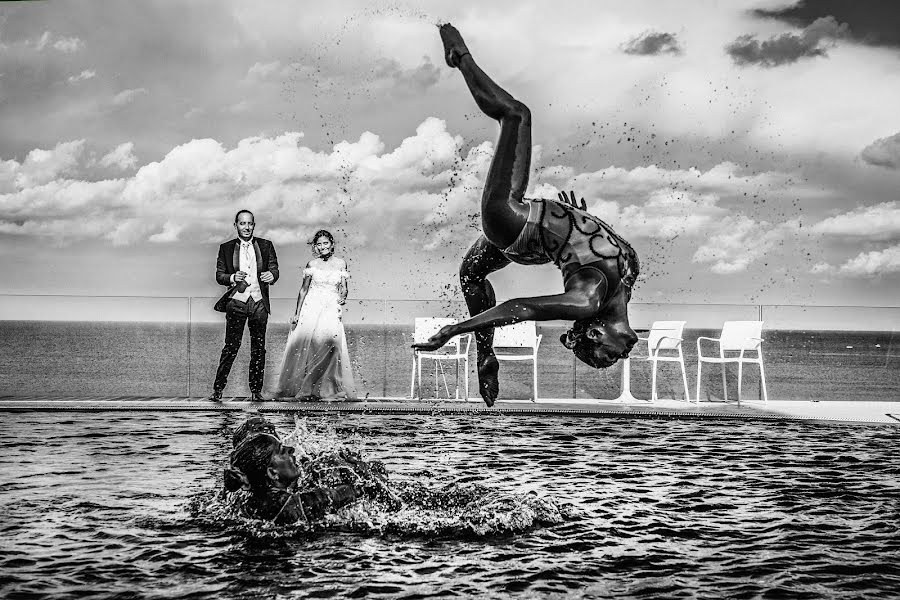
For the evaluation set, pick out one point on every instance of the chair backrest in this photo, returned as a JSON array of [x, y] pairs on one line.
[[517, 335], [735, 333], [428, 326], [660, 331]]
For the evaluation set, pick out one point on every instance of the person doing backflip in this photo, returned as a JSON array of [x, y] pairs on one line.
[[598, 267]]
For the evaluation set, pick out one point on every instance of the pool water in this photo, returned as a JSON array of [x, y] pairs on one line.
[[121, 505]]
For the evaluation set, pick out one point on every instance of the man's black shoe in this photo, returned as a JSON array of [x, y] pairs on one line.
[[216, 396], [256, 397]]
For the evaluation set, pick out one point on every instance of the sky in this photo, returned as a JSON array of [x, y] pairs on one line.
[[749, 150]]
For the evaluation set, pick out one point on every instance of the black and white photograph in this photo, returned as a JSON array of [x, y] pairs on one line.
[[429, 299]]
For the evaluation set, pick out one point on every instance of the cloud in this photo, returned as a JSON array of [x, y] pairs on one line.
[[788, 48], [878, 222], [122, 157], [40, 166], [417, 79], [873, 264], [883, 152], [83, 76], [738, 241], [652, 43], [128, 96], [425, 191], [66, 45], [237, 108], [872, 22], [264, 71]]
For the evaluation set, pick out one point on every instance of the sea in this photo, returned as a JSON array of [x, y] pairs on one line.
[[123, 359]]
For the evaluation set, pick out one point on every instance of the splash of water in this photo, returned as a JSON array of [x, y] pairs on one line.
[[420, 508]]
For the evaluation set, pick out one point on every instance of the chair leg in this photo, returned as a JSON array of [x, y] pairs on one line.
[[724, 385], [699, 364], [466, 378], [687, 395], [420, 378], [653, 397], [412, 380], [443, 377], [535, 397], [762, 377], [740, 378]]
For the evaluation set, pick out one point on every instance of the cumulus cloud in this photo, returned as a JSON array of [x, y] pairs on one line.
[[128, 96], [788, 48], [40, 166], [878, 222], [875, 263], [883, 152], [652, 43], [67, 45], [738, 241], [122, 157], [425, 190], [83, 76], [417, 79], [267, 71]]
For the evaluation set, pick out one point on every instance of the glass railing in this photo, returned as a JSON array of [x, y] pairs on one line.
[[77, 346]]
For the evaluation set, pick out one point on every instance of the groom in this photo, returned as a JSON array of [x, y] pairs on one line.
[[247, 265]]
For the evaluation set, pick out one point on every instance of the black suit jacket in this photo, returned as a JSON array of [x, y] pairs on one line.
[[229, 263]]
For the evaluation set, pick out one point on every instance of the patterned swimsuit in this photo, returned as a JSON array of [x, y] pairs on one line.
[[570, 238]]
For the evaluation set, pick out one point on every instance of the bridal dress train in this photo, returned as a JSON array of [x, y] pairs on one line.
[[316, 363]]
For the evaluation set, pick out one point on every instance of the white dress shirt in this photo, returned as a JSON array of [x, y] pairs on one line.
[[247, 264]]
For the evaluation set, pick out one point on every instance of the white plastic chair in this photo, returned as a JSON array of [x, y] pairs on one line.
[[736, 336], [521, 335], [452, 350], [665, 336]]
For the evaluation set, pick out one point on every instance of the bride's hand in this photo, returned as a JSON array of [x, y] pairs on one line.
[[294, 320]]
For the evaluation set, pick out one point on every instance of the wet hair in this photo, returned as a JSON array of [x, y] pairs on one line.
[[321, 233], [249, 427], [243, 210], [251, 459]]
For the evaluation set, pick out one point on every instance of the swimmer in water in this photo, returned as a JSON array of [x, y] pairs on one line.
[[286, 490], [598, 266]]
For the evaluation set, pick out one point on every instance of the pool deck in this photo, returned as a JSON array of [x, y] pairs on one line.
[[887, 413]]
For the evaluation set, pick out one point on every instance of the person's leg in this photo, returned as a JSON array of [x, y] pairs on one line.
[[235, 317], [503, 214], [482, 259], [257, 322]]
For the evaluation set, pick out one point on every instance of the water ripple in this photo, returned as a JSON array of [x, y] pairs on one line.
[[105, 506]]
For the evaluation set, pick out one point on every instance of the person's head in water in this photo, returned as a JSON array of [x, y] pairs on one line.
[[322, 244], [602, 340], [262, 462], [249, 427]]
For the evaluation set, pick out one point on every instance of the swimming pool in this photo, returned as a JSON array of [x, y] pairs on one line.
[[105, 504]]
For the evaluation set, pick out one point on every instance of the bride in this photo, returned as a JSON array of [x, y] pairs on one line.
[[316, 363]]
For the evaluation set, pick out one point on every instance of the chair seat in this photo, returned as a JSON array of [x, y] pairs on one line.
[[729, 359]]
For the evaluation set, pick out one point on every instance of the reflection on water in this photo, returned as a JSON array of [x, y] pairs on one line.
[[102, 505]]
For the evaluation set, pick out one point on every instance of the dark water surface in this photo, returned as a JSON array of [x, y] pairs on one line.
[[103, 505]]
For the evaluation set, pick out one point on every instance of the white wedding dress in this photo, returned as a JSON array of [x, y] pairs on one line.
[[316, 363]]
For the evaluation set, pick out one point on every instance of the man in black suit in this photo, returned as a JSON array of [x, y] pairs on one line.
[[247, 266]]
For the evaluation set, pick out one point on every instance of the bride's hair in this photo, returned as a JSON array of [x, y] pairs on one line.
[[321, 233]]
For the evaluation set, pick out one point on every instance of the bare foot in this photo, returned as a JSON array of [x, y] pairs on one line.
[[454, 46], [488, 383]]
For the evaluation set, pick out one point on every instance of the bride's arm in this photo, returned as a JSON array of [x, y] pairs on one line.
[[304, 288], [344, 288]]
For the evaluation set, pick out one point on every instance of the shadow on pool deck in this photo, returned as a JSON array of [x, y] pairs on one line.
[[856, 412]]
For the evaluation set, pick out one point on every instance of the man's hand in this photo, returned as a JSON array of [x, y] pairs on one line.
[[240, 276], [266, 277], [437, 340]]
